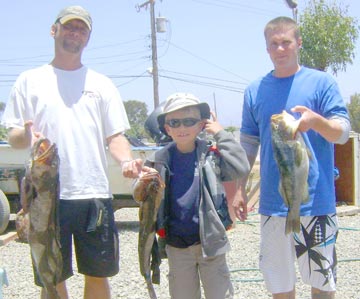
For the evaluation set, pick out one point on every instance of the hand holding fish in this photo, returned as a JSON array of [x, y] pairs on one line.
[[212, 126], [308, 118], [330, 129], [147, 178], [30, 135], [132, 168], [24, 137]]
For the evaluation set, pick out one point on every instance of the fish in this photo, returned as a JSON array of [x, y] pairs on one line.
[[147, 192], [39, 198], [22, 226], [292, 158]]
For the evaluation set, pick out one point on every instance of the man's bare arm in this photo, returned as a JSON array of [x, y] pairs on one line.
[[21, 137]]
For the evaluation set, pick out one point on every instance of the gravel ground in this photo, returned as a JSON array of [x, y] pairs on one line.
[[242, 260]]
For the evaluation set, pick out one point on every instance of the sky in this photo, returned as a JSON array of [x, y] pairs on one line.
[[210, 48]]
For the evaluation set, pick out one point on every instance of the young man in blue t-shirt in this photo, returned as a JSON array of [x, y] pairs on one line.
[[313, 97]]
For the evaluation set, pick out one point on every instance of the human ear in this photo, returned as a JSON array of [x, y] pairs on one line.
[[167, 129], [299, 42], [53, 30]]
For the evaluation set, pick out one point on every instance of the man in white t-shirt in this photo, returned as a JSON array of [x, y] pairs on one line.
[[81, 111]]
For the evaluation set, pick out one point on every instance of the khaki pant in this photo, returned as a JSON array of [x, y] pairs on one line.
[[187, 268]]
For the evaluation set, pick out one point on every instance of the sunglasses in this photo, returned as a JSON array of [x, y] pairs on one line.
[[186, 122]]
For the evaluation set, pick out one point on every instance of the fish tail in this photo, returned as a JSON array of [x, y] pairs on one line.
[[155, 262], [51, 292], [151, 289], [155, 278], [292, 224]]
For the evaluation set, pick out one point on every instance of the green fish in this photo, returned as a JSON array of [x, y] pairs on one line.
[[292, 158]]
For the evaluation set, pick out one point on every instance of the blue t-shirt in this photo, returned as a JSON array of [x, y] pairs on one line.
[[270, 95], [183, 228]]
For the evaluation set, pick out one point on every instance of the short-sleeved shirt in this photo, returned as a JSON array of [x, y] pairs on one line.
[[183, 228], [77, 110], [271, 95]]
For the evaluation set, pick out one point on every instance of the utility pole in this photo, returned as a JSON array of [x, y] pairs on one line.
[[215, 105], [155, 71]]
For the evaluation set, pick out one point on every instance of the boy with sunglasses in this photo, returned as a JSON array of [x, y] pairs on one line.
[[193, 216]]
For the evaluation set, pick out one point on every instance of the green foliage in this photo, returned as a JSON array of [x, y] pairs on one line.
[[3, 131], [231, 129], [354, 112], [329, 36], [137, 114]]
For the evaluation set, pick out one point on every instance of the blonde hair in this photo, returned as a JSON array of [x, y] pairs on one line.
[[281, 22]]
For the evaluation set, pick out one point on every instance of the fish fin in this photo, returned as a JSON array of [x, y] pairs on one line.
[[309, 154], [283, 194], [299, 154], [26, 193], [155, 262], [306, 198], [292, 224], [51, 292], [151, 289]]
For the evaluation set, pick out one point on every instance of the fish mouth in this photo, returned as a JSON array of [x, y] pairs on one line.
[[285, 122], [276, 118], [44, 151]]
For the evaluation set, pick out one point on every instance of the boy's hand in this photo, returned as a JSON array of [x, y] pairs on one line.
[[212, 126], [147, 170]]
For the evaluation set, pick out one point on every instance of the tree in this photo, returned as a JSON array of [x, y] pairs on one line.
[[329, 36], [137, 114], [354, 112], [3, 131], [231, 129]]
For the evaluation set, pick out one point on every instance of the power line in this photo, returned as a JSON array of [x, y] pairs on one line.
[[235, 5], [116, 44], [209, 84], [119, 55], [204, 77], [208, 62], [133, 79]]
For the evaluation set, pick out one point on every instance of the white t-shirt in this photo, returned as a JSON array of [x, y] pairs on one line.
[[77, 110]]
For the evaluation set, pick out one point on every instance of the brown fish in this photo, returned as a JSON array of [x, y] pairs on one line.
[[292, 157], [147, 191], [22, 226], [40, 199]]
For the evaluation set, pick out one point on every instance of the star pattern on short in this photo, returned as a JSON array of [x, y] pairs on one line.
[[316, 237]]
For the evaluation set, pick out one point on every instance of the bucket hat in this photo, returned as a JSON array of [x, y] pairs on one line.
[[178, 101]]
